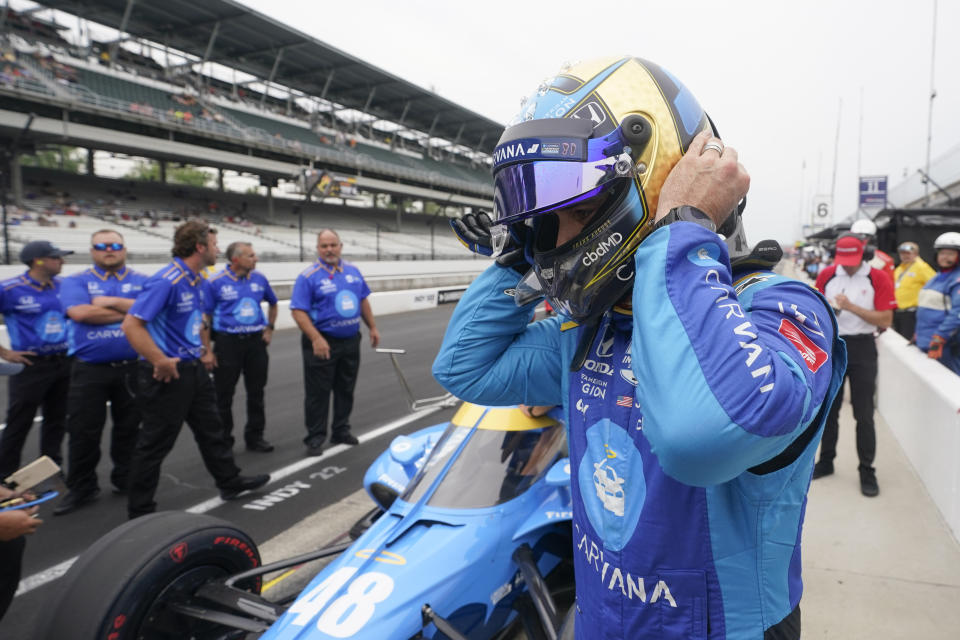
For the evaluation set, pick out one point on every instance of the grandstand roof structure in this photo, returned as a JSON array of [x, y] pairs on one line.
[[231, 34]]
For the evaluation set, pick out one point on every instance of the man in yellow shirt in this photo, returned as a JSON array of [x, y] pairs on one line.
[[909, 277]]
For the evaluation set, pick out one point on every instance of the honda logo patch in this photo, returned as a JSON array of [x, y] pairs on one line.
[[812, 355]]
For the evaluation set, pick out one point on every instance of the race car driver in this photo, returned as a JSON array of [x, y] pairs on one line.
[[694, 379]]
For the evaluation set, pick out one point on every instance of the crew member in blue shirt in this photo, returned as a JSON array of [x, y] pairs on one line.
[[166, 327], [241, 335], [328, 301], [104, 369], [30, 304]]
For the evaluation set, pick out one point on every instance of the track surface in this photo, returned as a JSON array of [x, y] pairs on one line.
[[185, 483]]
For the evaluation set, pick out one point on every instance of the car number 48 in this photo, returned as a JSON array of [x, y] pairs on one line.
[[347, 614]]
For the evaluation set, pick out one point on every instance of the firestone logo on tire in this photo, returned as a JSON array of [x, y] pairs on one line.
[[178, 552]]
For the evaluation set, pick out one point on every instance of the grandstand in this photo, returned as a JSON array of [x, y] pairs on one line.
[[148, 212], [301, 105]]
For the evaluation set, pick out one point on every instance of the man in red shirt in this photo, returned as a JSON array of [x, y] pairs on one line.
[[863, 299]]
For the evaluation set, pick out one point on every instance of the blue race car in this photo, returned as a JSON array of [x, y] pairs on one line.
[[473, 541]]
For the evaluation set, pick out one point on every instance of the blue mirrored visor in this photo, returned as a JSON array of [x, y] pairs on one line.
[[525, 189]]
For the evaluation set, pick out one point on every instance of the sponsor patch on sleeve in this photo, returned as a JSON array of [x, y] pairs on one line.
[[812, 355]]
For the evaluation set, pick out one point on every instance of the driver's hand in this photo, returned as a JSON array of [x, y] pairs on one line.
[[710, 181], [473, 231]]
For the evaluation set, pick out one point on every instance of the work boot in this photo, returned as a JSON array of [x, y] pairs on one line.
[[345, 438], [239, 484], [74, 500], [260, 446], [868, 483]]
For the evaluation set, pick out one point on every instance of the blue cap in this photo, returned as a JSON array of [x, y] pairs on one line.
[[41, 249]]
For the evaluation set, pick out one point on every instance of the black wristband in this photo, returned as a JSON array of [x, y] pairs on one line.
[[687, 214], [271, 327]]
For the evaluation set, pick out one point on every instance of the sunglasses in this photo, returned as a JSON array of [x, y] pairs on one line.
[[111, 246]]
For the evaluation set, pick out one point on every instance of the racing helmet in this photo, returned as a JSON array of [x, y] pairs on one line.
[[602, 135], [948, 240]]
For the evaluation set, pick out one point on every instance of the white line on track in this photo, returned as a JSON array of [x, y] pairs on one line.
[[41, 578]]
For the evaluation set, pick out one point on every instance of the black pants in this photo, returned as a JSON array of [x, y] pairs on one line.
[[43, 385], [11, 558], [905, 322], [165, 406], [244, 353], [91, 387], [337, 374], [862, 373]]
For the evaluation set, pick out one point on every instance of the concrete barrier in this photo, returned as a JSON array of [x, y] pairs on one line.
[[380, 276], [920, 400], [382, 302], [288, 271]]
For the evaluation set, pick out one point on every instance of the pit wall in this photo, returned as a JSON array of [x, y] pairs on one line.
[[920, 400]]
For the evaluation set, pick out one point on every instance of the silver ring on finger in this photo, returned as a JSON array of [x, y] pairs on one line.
[[716, 146]]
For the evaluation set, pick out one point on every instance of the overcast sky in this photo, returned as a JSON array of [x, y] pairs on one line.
[[771, 74]]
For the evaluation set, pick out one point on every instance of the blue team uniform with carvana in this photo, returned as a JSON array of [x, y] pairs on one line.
[[332, 297], [234, 301], [34, 315], [172, 306], [692, 425], [99, 343]]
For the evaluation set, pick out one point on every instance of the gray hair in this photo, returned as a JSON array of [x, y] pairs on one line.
[[234, 249], [323, 231]]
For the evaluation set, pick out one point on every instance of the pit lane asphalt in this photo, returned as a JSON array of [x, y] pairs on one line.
[[185, 483]]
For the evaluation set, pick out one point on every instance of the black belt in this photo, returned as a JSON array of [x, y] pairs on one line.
[[238, 336], [54, 357], [907, 310], [115, 363], [328, 337], [858, 336], [181, 364]]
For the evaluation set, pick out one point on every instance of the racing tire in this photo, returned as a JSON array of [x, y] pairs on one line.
[[117, 589]]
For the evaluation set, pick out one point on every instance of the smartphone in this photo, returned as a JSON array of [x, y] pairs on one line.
[[25, 478]]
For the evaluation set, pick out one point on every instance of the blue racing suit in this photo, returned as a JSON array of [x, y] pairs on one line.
[[938, 313], [692, 427]]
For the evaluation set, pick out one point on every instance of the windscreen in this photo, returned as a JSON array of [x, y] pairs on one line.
[[494, 467]]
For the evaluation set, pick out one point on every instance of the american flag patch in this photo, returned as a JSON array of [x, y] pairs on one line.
[[624, 401]]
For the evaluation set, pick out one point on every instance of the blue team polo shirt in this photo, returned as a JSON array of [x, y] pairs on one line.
[[331, 296], [97, 343], [172, 305], [34, 315], [234, 302]]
